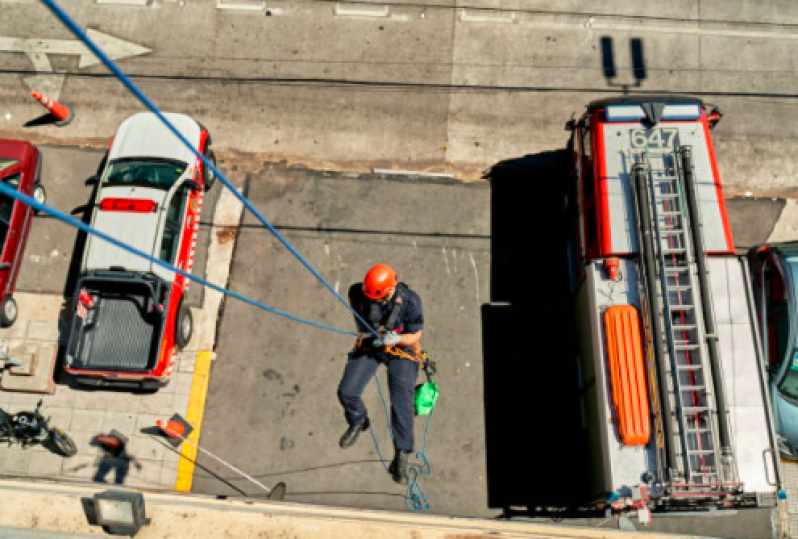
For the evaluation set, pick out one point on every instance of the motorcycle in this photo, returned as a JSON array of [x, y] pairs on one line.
[[30, 428]]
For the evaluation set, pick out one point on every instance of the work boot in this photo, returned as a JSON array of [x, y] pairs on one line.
[[350, 436], [398, 468]]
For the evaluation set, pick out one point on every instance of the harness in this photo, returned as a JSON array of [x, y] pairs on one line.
[[368, 344]]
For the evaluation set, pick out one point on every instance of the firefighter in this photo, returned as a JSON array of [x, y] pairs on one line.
[[395, 311]]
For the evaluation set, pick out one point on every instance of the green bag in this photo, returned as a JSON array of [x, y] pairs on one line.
[[426, 397]]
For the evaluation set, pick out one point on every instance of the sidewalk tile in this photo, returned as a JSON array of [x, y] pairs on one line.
[[14, 460], [18, 331], [84, 439], [26, 399], [6, 398], [182, 382], [63, 396], [180, 404], [168, 476], [80, 467], [87, 420], [157, 403], [144, 473], [43, 331], [124, 422], [45, 464], [147, 447], [147, 421], [58, 416]]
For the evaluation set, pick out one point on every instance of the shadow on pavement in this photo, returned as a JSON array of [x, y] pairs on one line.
[[534, 435]]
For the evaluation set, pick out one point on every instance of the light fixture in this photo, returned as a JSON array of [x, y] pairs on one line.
[[120, 512]]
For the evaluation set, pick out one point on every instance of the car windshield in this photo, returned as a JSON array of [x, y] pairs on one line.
[[5, 163], [156, 173], [789, 384], [7, 207]]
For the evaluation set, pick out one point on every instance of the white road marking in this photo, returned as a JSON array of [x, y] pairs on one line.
[[123, 2], [510, 18], [114, 47], [220, 4], [689, 29], [384, 11], [446, 260]]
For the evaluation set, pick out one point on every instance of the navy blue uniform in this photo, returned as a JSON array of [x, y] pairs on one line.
[[363, 363]]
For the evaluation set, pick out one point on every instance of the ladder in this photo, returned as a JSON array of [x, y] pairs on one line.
[[683, 323]]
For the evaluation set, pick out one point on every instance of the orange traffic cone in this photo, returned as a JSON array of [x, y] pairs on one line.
[[62, 113], [176, 429]]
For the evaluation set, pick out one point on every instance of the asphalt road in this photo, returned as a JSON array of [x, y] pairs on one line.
[[419, 86]]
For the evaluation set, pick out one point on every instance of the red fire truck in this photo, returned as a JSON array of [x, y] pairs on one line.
[[130, 314], [671, 371]]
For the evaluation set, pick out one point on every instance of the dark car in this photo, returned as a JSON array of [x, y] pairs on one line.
[[20, 168], [774, 269]]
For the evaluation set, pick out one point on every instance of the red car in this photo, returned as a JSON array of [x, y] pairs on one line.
[[20, 167]]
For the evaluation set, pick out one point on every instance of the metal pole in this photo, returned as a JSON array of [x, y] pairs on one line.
[[172, 434]]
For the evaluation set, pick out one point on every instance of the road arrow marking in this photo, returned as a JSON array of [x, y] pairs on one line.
[[114, 47]]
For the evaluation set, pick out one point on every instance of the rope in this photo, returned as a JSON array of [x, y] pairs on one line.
[[125, 80], [13, 193], [415, 499]]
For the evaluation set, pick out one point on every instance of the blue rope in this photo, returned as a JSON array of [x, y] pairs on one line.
[[415, 499], [125, 80], [5, 189]]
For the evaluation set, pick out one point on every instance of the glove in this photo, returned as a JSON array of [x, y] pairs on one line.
[[391, 338]]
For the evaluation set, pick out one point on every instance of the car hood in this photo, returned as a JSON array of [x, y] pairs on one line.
[[143, 135], [786, 418], [140, 230]]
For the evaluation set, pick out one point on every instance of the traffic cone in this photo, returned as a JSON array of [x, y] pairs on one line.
[[114, 443], [176, 429], [62, 113]]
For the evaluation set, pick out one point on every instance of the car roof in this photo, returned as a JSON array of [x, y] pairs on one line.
[[144, 135], [15, 149]]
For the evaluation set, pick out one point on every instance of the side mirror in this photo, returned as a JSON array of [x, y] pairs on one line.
[[5, 266], [570, 125], [92, 180], [193, 185]]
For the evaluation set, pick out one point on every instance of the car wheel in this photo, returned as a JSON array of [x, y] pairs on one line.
[[209, 177], [8, 312], [39, 195], [184, 327]]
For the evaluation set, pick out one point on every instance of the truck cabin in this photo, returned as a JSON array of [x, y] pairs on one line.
[[610, 138]]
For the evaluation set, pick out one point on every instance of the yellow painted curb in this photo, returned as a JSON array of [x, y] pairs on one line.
[[196, 408]]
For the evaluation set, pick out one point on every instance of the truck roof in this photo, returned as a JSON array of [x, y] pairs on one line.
[[639, 100]]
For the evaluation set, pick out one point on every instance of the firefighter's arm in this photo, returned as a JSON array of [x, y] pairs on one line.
[[409, 340]]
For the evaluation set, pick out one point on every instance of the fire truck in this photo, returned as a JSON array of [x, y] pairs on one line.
[[130, 314], [673, 389]]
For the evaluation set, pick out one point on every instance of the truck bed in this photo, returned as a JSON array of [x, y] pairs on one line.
[[118, 333]]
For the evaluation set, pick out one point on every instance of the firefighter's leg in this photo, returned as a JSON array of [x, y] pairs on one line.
[[402, 376], [359, 370]]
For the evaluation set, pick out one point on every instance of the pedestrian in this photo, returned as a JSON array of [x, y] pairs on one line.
[[394, 310]]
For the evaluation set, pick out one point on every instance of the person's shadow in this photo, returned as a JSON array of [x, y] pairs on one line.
[[119, 465], [535, 440]]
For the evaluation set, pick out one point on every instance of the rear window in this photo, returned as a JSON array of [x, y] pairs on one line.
[[158, 174]]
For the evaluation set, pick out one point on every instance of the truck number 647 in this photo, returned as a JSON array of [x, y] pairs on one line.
[[653, 138]]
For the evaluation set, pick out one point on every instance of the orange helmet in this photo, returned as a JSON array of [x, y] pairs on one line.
[[379, 281]]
